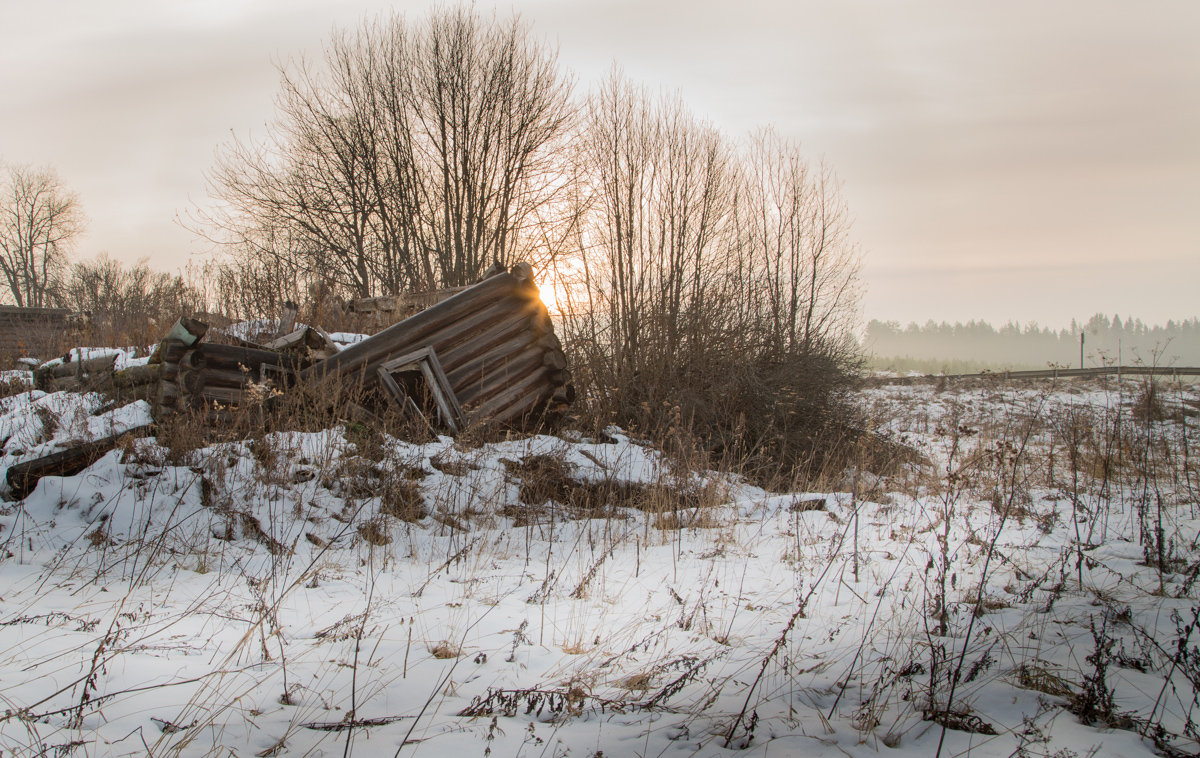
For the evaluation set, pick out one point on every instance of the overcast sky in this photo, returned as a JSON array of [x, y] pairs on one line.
[[1027, 160]]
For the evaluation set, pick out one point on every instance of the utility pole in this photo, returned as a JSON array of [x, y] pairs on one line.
[[1081, 350]]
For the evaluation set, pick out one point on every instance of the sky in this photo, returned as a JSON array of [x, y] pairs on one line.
[[1025, 160]]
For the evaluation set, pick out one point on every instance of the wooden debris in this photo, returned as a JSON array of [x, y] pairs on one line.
[[23, 477], [212, 377], [308, 340], [481, 354], [400, 375], [495, 342]]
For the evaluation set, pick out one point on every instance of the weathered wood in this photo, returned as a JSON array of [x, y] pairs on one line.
[[494, 340], [185, 332], [554, 359], [192, 360], [232, 357], [426, 360], [23, 477], [412, 330], [497, 376], [498, 380], [481, 363], [445, 335], [136, 375], [192, 382], [455, 356], [287, 320], [454, 334], [519, 407], [550, 341], [63, 384], [219, 377], [497, 408], [45, 376]]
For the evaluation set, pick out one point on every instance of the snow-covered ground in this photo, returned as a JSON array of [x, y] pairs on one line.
[[1033, 558]]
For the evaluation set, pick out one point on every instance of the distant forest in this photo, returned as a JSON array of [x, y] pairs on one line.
[[978, 345]]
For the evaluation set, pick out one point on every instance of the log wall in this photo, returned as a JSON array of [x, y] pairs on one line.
[[495, 341]]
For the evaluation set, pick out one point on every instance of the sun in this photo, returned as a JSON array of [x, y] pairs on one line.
[[549, 294]]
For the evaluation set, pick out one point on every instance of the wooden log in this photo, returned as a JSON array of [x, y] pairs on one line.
[[479, 364], [494, 382], [534, 384], [287, 320], [520, 407], [560, 378], [554, 359], [192, 382], [492, 376], [63, 384], [550, 341], [23, 477], [168, 394], [44, 377], [471, 349], [84, 367], [445, 335], [231, 357], [456, 333], [136, 375], [185, 331]]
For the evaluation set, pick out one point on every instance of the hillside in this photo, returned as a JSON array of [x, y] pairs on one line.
[[1017, 575]]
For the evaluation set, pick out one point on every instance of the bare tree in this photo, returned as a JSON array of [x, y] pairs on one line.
[[416, 157], [39, 219], [795, 229]]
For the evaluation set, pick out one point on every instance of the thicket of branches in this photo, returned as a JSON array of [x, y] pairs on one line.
[[717, 280], [129, 304], [412, 159]]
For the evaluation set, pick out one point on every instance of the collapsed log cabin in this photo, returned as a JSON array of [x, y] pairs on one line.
[[494, 343], [486, 354]]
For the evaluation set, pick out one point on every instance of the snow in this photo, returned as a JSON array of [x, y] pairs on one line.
[[345, 339], [254, 597], [124, 357]]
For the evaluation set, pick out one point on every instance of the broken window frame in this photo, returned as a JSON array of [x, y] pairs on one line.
[[425, 359]]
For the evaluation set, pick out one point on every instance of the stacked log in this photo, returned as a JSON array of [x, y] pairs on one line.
[[214, 379], [73, 375], [495, 341]]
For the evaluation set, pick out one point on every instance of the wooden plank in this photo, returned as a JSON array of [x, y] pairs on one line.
[[497, 383], [520, 407], [287, 320], [554, 359], [447, 334], [479, 364], [426, 360]]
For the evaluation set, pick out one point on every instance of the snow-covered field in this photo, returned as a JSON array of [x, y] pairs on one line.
[[1030, 566]]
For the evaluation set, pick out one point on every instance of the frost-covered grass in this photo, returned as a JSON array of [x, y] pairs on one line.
[[1018, 585]]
